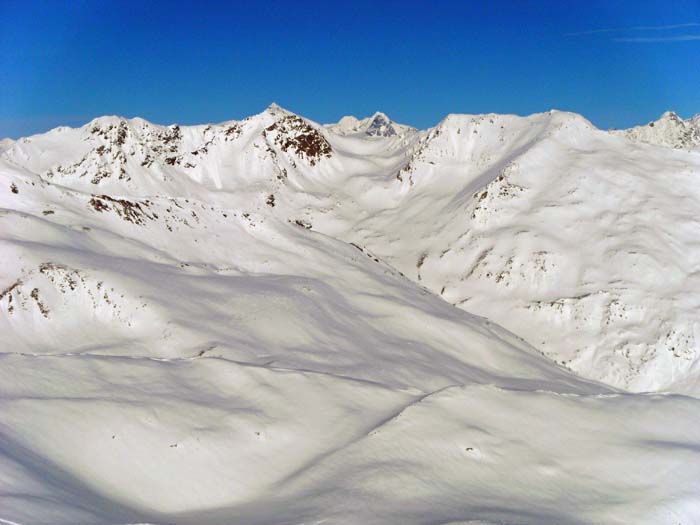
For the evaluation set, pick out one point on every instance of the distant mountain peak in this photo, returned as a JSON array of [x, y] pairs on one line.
[[277, 110], [378, 125], [670, 115], [106, 120], [380, 116], [670, 130], [349, 121]]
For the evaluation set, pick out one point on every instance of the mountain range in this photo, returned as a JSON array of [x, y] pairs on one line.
[[274, 320]]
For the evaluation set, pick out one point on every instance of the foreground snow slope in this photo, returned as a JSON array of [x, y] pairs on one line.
[[188, 338]]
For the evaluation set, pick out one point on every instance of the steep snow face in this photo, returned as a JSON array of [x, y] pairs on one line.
[[265, 335], [670, 130]]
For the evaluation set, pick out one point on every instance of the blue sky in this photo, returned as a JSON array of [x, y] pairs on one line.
[[618, 63]]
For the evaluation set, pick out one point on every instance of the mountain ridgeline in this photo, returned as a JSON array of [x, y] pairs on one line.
[[580, 241], [277, 321]]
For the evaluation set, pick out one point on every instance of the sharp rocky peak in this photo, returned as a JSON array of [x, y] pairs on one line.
[[380, 125]]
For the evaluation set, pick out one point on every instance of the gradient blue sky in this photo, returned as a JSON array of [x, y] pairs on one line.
[[616, 62]]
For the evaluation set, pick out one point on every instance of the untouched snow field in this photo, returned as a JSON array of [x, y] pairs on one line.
[[273, 321]]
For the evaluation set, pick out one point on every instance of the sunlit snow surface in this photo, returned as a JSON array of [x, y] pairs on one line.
[[189, 335]]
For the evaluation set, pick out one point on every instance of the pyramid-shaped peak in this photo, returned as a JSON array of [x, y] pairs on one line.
[[271, 114], [276, 109], [380, 126], [378, 115]]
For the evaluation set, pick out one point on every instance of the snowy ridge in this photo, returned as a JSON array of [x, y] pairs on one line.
[[669, 130], [277, 321]]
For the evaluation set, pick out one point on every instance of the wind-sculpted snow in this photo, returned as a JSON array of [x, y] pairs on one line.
[[255, 322]]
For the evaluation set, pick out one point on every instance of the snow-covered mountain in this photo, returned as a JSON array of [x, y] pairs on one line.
[[670, 131], [576, 240], [255, 321], [378, 125], [571, 237]]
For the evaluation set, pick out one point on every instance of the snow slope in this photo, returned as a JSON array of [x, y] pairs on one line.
[[191, 337], [576, 240]]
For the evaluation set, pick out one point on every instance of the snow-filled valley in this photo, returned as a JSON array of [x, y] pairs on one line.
[[275, 321]]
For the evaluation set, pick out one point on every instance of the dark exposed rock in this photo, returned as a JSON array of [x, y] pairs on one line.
[[293, 133]]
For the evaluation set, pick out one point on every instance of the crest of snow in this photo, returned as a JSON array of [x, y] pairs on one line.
[[669, 130]]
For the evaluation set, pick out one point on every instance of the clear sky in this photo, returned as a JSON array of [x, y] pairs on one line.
[[618, 63]]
